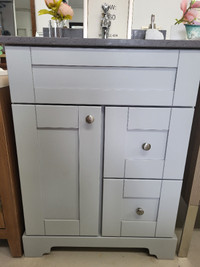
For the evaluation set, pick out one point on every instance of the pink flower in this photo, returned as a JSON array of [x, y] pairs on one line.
[[191, 15], [196, 4], [184, 4], [50, 3], [65, 10]]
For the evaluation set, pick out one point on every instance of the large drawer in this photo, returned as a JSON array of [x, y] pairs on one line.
[[104, 85], [104, 76]]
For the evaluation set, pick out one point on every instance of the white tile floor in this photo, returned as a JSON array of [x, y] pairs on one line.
[[103, 258]]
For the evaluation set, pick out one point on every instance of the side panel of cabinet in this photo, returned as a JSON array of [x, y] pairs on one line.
[[27, 150], [169, 201], [187, 81], [177, 145]]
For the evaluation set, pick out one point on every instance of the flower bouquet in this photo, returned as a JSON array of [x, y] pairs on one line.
[[189, 18], [190, 14], [59, 11]]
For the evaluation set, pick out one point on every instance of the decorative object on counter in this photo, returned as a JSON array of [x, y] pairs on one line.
[[139, 34], [152, 33], [178, 32], [189, 18], [105, 21], [66, 32], [193, 31], [60, 12], [116, 21]]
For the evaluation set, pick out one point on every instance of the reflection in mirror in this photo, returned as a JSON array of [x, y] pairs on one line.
[[77, 20], [7, 21], [23, 17], [17, 17]]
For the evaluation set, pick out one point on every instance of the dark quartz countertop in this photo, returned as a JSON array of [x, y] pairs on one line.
[[99, 43]]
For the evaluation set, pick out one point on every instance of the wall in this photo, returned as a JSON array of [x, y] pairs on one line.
[[165, 11]]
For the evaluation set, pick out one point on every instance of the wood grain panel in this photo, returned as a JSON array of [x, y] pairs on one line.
[[9, 179], [2, 223]]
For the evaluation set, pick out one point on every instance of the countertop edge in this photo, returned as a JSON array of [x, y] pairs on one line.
[[99, 43]]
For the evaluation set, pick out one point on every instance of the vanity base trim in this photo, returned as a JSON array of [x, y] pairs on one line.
[[162, 248]]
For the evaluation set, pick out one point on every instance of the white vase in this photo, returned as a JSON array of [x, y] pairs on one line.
[[178, 32]]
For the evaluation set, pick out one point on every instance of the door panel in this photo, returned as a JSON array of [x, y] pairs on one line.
[[57, 166], [58, 171]]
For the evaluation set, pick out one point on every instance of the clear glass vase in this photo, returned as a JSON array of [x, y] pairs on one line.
[[58, 28]]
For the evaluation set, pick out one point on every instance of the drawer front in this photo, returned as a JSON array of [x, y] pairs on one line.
[[104, 85], [135, 142], [149, 143], [140, 208], [124, 208], [104, 76], [175, 64]]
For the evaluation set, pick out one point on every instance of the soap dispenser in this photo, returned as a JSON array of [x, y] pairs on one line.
[[152, 33]]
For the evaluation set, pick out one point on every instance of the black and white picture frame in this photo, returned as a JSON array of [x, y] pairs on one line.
[[121, 12]]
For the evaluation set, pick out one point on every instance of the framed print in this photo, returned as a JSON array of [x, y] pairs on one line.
[[119, 13]]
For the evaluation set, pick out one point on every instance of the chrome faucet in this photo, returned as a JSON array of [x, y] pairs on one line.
[[105, 21]]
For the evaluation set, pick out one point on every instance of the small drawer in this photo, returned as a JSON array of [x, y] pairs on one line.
[[135, 142], [126, 210]]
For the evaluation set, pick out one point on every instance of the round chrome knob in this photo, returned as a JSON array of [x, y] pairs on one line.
[[139, 211], [146, 146], [89, 119]]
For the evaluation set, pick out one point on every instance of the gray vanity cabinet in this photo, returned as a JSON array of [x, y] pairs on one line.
[[60, 174], [102, 137]]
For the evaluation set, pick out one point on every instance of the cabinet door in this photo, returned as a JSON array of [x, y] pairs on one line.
[[59, 161], [165, 132]]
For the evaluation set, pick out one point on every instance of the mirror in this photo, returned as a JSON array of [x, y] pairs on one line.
[[23, 17], [22, 22], [77, 20], [17, 17]]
